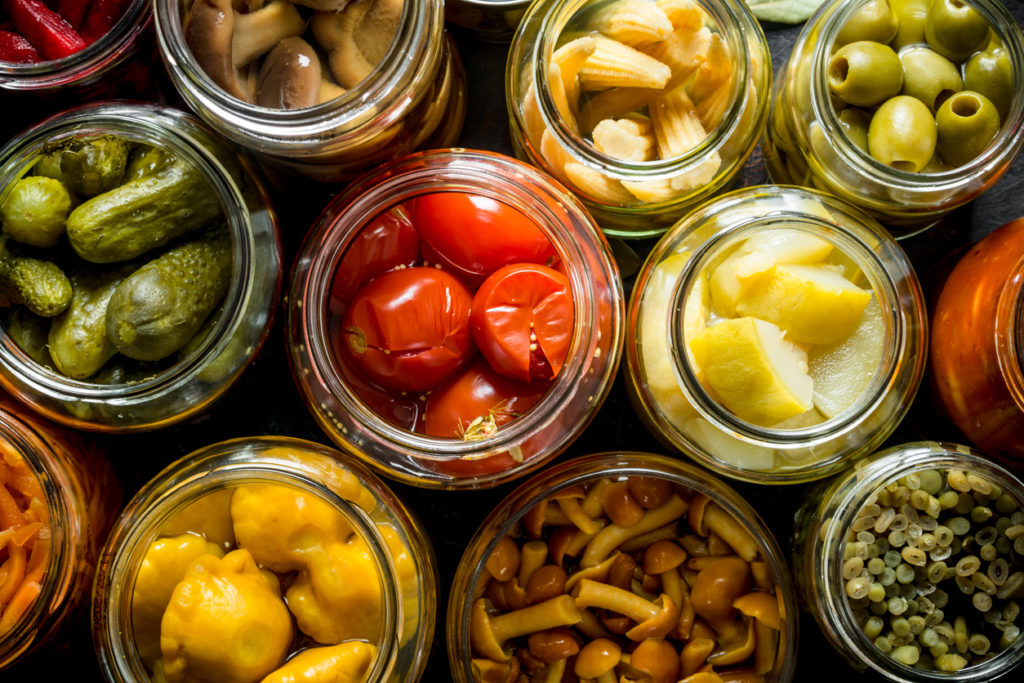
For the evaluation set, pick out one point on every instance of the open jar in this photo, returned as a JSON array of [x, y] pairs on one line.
[[977, 360], [410, 387], [408, 92], [643, 116], [65, 498], [899, 175], [272, 519], [746, 350], [489, 20], [601, 567], [149, 173], [907, 564]]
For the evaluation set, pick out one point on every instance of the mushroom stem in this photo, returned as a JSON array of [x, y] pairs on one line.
[[731, 531], [572, 509], [694, 654], [560, 611], [257, 32], [613, 535], [765, 649], [589, 593], [552, 673], [592, 501], [532, 557]]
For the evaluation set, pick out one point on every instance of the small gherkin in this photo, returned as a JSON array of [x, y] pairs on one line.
[[41, 285]]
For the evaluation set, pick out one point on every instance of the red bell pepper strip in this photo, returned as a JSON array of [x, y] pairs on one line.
[[16, 49], [45, 29], [102, 16], [73, 11]]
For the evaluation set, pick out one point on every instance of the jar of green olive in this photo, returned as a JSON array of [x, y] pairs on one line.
[[910, 563], [146, 202], [904, 108], [259, 559], [622, 565]]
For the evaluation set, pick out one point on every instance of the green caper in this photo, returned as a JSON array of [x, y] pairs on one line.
[[902, 134], [955, 29], [874, 20], [966, 124], [989, 73], [910, 17], [854, 123], [929, 76], [36, 211], [865, 73]]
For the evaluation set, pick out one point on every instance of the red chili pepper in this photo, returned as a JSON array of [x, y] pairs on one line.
[[73, 11], [102, 16], [16, 49], [45, 29]]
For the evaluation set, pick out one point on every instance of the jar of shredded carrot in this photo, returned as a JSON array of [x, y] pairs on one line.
[[58, 498]]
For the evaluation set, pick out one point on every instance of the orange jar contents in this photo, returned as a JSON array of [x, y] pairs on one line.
[[977, 347], [58, 497]]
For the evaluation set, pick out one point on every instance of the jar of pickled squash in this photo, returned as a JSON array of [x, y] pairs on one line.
[[904, 108], [643, 108], [775, 335], [454, 319], [58, 498], [909, 563], [391, 83], [161, 207], [622, 564], [977, 365], [303, 560]]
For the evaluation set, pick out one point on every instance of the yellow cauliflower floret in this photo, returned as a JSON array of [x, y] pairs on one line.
[[162, 568], [209, 516], [281, 525], [337, 597], [225, 623], [345, 663]]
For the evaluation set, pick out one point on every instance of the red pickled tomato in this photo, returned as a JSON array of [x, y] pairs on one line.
[[474, 403], [387, 242], [475, 235], [408, 329], [522, 321]]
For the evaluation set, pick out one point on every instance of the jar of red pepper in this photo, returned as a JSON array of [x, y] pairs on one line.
[[455, 319], [977, 347], [58, 498], [83, 49]]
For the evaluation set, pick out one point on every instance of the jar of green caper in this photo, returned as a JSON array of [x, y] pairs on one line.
[[913, 563]]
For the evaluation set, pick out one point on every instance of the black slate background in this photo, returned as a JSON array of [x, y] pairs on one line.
[[266, 402]]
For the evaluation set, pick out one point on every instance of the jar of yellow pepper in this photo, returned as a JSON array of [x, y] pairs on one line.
[[256, 560]]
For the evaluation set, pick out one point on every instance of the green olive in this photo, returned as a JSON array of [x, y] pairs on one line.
[[990, 73], [854, 123], [874, 20], [865, 73], [966, 123], [902, 134], [955, 29], [910, 15], [929, 76]]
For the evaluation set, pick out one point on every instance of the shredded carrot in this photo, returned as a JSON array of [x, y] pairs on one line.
[[15, 566], [21, 601], [24, 537], [10, 512]]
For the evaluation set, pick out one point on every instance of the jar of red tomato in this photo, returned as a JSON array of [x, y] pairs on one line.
[[81, 49], [977, 348], [58, 498], [455, 319]]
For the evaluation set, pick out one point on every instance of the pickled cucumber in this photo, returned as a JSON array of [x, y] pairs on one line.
[[41, 285], [36, 211], [78, 338], [29, 331], [93, 165], [49, 165], [159, 308], [147, 160], [142, 214]]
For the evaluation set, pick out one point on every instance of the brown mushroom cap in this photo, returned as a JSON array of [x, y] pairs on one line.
[[290, 76], [662, 556], [209, 27], [597, 657], [657, 659]]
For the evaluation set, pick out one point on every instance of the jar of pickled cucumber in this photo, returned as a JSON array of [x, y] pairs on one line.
[[910, 564], [59, 498], [257, 559], [147, 284], [321, 89], [643, 108], [775, 335], [618, 565], [904, 108]]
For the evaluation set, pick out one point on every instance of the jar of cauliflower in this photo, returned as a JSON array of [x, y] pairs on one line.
[[774, 335], [258, 560], [643, 108]]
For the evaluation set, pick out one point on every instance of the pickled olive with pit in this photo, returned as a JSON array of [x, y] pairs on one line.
[[865, 73], [966, 124], [902, 134]]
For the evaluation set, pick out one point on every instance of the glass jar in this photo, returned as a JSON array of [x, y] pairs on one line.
[[859, 386], [640, 195], [414, 99], [488, 573], [977, 365], [820, 555], [146, 397], [806, 143], [240, 497], [81, 496], [490, 20], [572, 397]]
